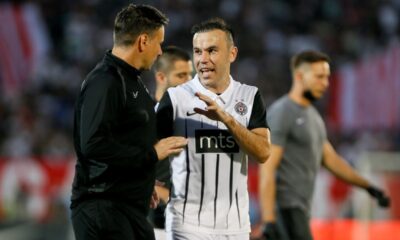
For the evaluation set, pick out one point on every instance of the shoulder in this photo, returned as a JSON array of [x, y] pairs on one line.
[[187, 88], [280, 104], [242, 87], [103, 76], [280, 108]]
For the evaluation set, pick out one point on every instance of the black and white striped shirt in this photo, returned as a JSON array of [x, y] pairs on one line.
[[209, 178]]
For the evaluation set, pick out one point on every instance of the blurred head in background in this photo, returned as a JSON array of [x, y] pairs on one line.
[[172, 68], [310, 72]]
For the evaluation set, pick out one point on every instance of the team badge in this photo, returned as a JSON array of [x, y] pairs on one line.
[[241, 108]]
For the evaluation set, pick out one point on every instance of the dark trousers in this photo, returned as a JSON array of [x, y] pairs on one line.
[[293, 224], [99, 219]]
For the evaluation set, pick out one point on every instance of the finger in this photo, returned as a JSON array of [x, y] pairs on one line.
[[200, 111], [180, 143], [175, 151], [204, 98], [180, 140], [159, 183], [152, 203]]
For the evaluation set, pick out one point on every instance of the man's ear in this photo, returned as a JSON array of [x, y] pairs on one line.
[[298, 74], [233, 54], [161, 78], [143, 41]]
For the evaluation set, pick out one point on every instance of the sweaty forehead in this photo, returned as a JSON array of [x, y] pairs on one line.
[[207, 39]]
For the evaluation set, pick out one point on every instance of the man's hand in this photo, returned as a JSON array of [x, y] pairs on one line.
[[169, 146], [155, 200], [162, 192], [213, 111], [383, 200], [270, 231]]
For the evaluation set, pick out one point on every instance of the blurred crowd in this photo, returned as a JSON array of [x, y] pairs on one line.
[[37, 120]]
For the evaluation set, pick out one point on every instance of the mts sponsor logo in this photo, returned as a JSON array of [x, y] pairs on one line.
[[215, 141]]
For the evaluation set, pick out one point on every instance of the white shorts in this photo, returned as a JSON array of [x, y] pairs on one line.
[[176, 235], [160, 234]]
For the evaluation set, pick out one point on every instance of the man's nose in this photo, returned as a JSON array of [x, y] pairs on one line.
[[204, 57]]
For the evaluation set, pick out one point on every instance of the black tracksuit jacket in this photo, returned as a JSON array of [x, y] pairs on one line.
[[114, 134]]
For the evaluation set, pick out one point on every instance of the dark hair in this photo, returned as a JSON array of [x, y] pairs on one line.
[[214, 24], [170, 55], [134, 20], [309, 56]]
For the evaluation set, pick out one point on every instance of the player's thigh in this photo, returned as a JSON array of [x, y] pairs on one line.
[[160, 234], [242, 236], [176, 235]]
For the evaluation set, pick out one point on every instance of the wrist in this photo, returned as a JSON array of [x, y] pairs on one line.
[[227, 119]]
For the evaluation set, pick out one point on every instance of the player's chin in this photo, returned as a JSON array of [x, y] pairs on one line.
[[319, 94], [205, 77]]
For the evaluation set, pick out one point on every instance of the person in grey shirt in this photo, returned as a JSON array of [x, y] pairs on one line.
[[299, 147]]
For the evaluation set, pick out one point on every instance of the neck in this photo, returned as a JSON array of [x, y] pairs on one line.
[[218, 88], [128, 55], [297, 96], [160, 90]]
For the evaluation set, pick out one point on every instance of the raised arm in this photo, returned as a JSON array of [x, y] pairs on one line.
[[255, 142]]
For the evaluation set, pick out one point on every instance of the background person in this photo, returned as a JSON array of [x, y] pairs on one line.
[[172, 68], [299, 146]]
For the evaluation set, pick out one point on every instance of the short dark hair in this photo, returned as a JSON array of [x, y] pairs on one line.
[[134, 20], [214, 24], [309, 56], [170, 55]]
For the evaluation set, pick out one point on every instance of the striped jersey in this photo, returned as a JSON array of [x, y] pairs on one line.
[[209, 178]]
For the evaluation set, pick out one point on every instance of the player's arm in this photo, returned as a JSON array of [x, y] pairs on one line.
[[255, 142], [267, 192], [267, 184], [340, 168]]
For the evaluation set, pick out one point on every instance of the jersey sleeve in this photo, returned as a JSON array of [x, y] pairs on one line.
[[257, 117], [279, 124]]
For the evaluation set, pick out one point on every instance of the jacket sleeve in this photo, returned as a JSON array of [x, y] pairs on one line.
[[101, 104], [165, 120], [164, 129]]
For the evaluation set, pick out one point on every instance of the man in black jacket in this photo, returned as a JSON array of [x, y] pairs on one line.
[[115, 134]]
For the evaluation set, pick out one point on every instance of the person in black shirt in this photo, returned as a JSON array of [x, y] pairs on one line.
[[172, 68], [115, 134]]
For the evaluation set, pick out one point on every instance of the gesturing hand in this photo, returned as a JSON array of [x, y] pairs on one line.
[[213, 111], [169, 146]]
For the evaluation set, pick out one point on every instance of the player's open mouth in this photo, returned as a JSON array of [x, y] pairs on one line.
[[206, 70]]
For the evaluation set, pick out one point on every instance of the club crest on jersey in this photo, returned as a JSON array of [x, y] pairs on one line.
[[241, 108]]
